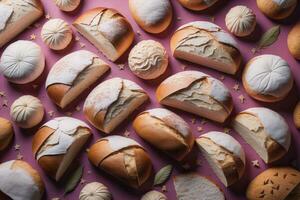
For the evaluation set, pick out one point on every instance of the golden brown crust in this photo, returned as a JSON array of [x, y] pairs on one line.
[[195, 5], [56, 92], [99, 151], [275, 151], [143, 165], [293, 41], [296, 115], [6, 133], [273, 10], [40, 137], [50, 164]]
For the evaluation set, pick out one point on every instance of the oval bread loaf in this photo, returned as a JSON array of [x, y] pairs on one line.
[[123, 158], [277, 9], [197, 93], [293, 41]]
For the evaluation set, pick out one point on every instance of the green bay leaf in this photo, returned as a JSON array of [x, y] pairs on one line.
[[269, 37], [162, 175], [73, 179]]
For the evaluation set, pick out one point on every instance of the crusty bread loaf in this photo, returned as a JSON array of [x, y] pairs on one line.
[[293, 41], [198, 93], [72, 75], [123, 158], [107, 29], [277, 9], [57, 143], [265, 130], [197, 5], [19, 181], [16, 16], [111, 102], [166, 131], [277, 183], [224, 154], [6, 133], [206, 44]]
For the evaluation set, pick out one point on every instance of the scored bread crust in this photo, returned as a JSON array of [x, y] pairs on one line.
[[214, 89], [166, 131], [275, 11], [197, 5], [113, 27], [123, 158], [273, 183]]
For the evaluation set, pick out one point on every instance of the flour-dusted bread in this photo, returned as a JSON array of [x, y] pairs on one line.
[[293, 41], [197, 5], [276, 183], [56, 34], [16, 16], [206, 44], [107, 29], [6, 133], [22, 62], [27, 111], [153, 16], [19, 181], [224, 154], [267, 78], [166, 131], [57, 143], [111, 102], [122, 158], [154, 195], [277, 9], [72, 75], [197, 93], [67, 5], [95, 191], [148, 59], [192, 186], [265, 130]]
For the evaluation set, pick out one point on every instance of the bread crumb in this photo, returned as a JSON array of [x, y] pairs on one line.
[[77, 38], [121, 66], [138, 33], [199, 129], [5, 103], [236, 87], [255, 163], [164, 188], [82, 181], [254, 50], [222, 78], [47, 16], [33, 36], [126, 133], [2, 94], [19, 156], [17, 147], [242, 98], [51, 113], [78, 108], [82, 45], [227, 130]]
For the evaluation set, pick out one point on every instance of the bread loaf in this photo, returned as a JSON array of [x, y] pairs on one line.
[[19, 181], [72, 75], [224, 154], [198, 93], [265, 130], [277, 9], [293, 41], [123, 158], [111, 102], [16, 16], [57, 143], [206, 44], [6, 133], [277, 183], [107, 29], [166, 131], [67, 5], [197, 5], [296, 115]]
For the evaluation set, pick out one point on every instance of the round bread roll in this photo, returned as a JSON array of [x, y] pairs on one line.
[[148, 59], [297, 115], [57, 143], [56, 34], [166, 131], [224, 154], [154, 195], [6, 133], [280, 183], [197, 93], [267, 78], [27, 111], [197, 5], [153, 16], [67, 5], [240, 21], [277, 9], [265, 130], [206, 44], [22, 62], [95, 191], [294, 41], [19, 181], [123, 158]]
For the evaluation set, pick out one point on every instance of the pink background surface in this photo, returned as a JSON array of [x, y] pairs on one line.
[[236, 192]]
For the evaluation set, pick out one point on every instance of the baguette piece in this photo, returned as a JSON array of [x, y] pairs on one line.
[[224, 154], [107, 29], [197, 93], [192, 186], [123, 158], [16, 16], [111, 102], [197, 5], [166, 131], [277, 183], [265, 130], [206, 44], [57, 143], [6, 133], [72, 75], [19, 181]]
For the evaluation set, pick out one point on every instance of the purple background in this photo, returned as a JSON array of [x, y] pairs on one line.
[[236, 192]]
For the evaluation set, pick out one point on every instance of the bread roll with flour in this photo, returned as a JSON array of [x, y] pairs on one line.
[[265, 130], [277, 9], [206, 44], [197, 93]]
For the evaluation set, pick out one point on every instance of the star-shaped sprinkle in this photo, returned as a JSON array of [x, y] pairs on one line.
[[227, 130], [19, 156], [82, 181], [77, 38], [236, 87], [82, 45], [242, 98], [164, 188], [48, 16], [33, 36], [5, 103], [121, 66], [126, 133], [51, 113], [17, 147], [254, 50], [199, 129], [2, 94], [138, 33], [78, 109], [255, 163]]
